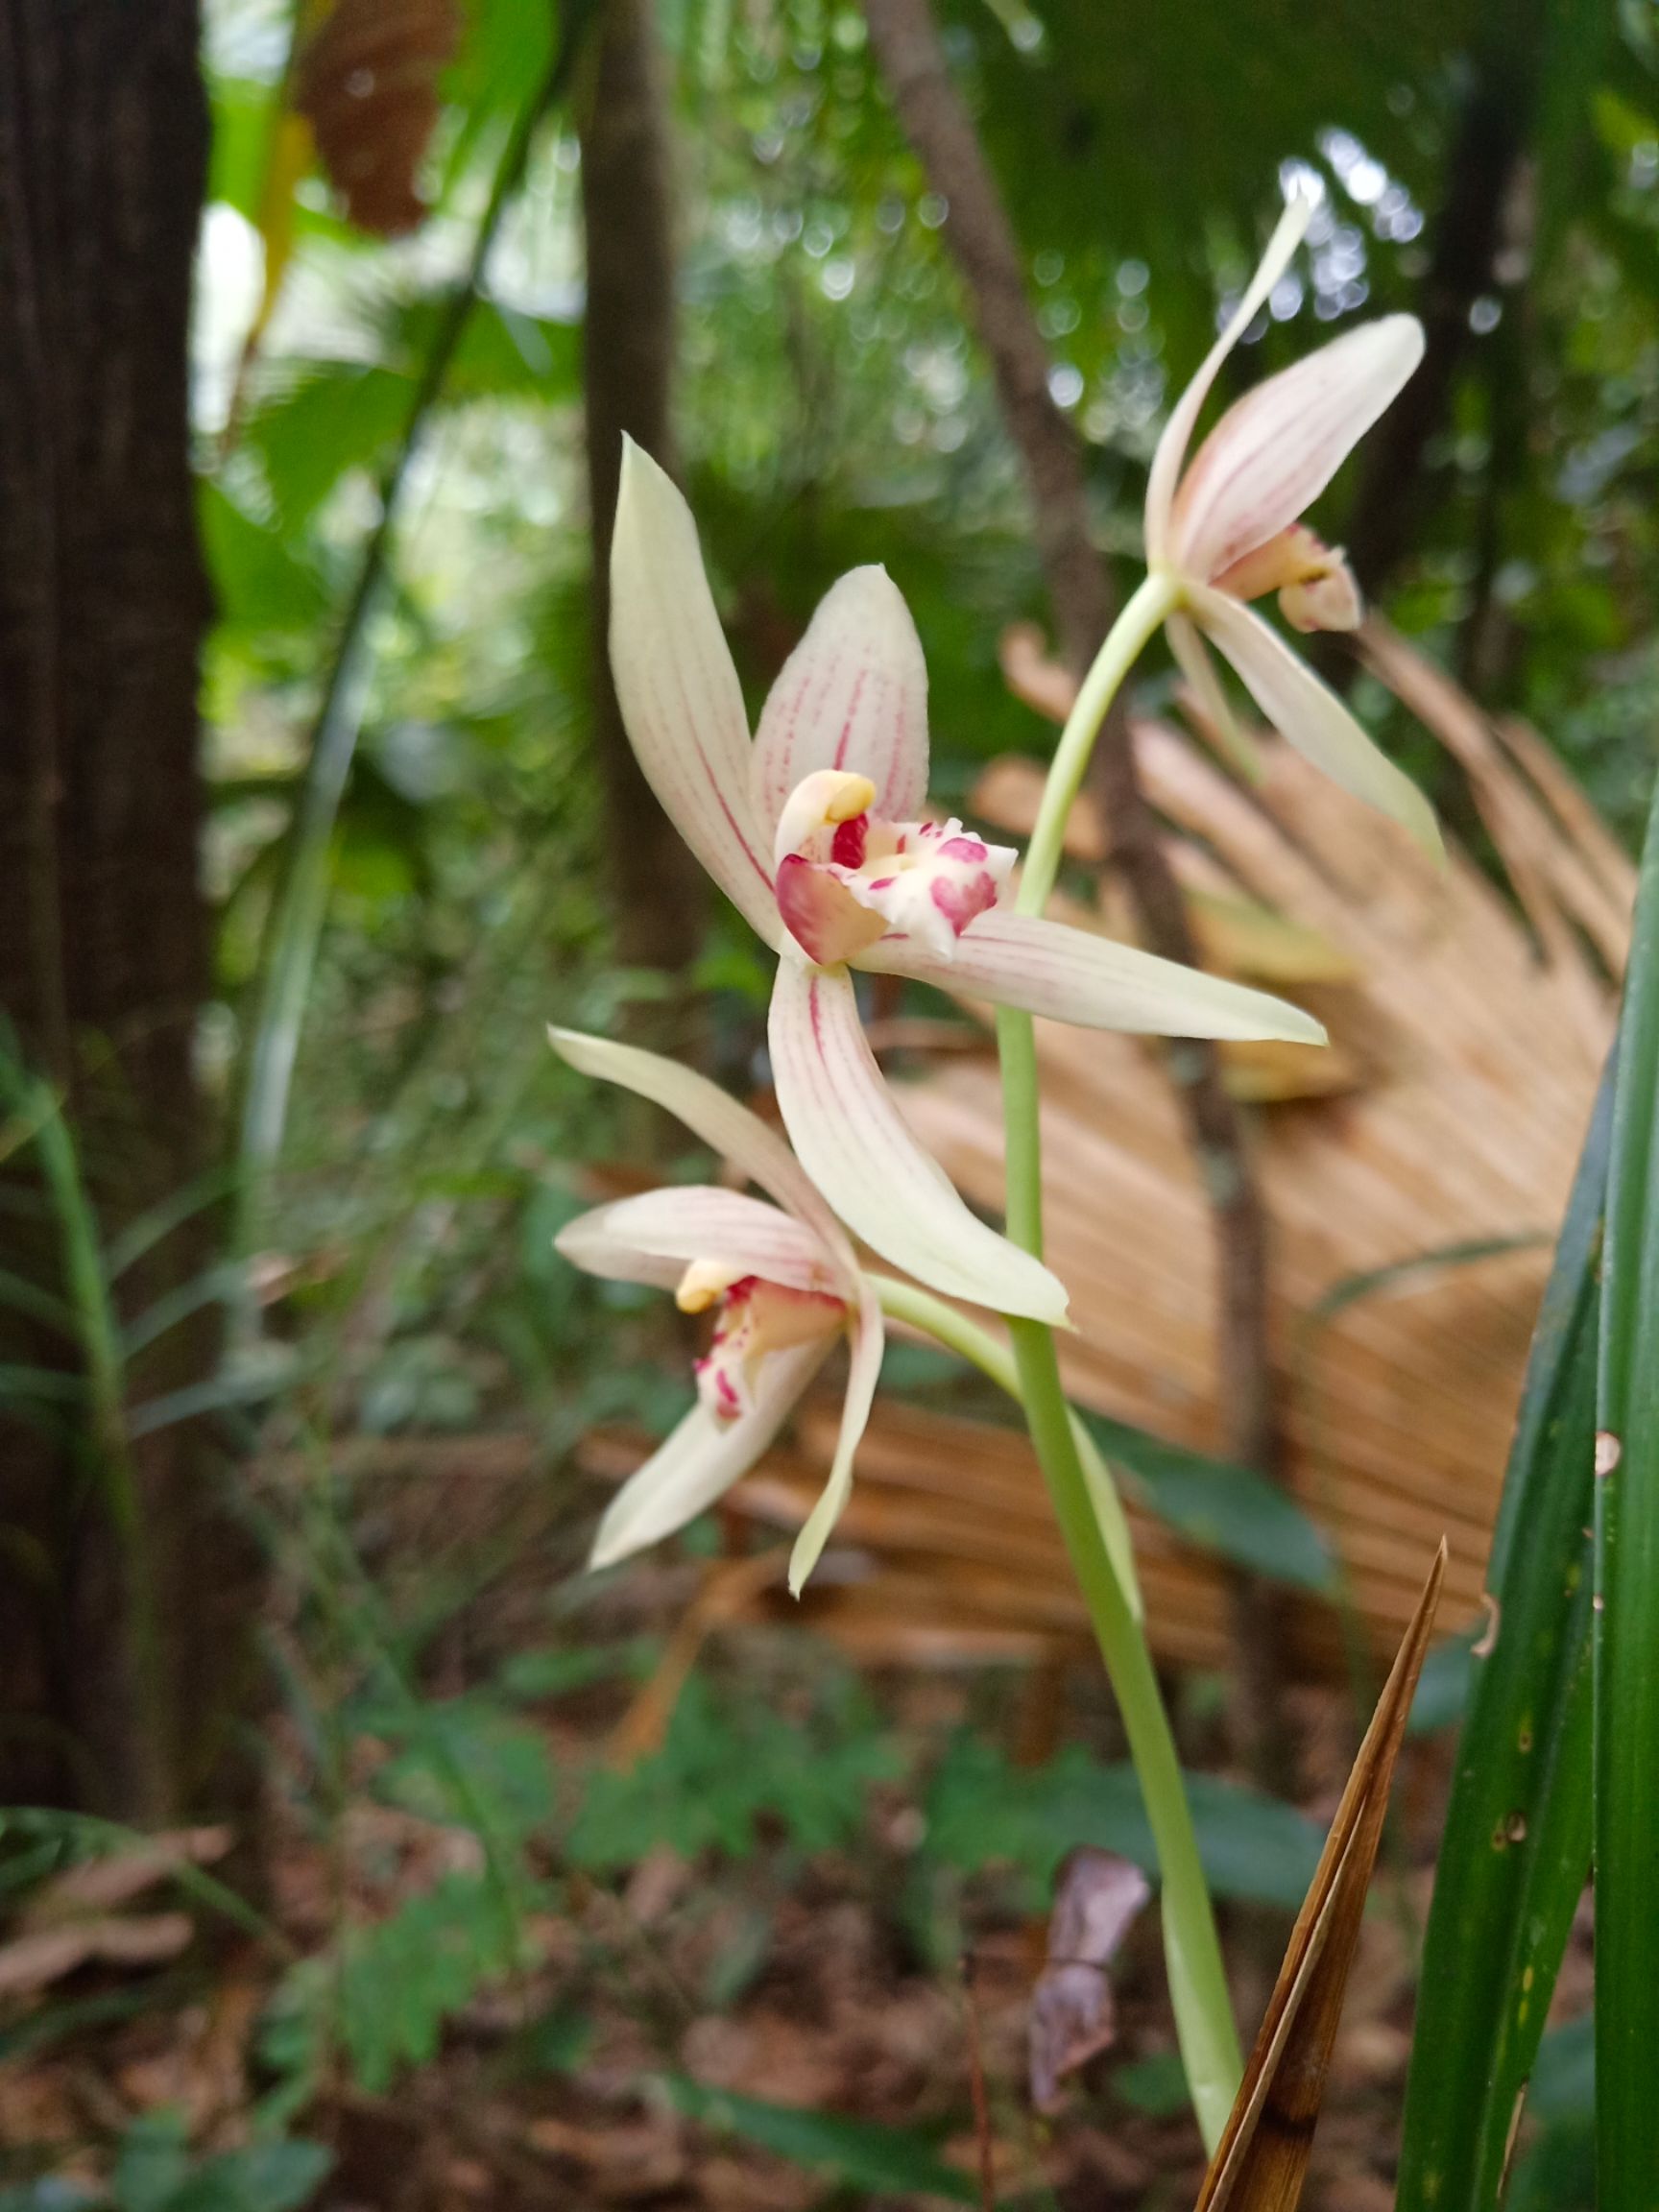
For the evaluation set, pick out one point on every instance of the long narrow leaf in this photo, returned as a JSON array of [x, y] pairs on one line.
[[1626, 1638], [1217, 1507], [302, 905], [1517, 1844]]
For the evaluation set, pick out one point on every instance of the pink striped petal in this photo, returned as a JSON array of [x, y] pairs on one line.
[[679, 691], [1193, 660], [655, 1238], [853, 696], [869, 1342], [1275, 450], [1069, 975], [1177, 435], [701, 1460], [723, 1125], [852, 1140], [1310, 717]]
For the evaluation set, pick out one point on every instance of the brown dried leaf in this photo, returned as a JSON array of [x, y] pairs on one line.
[[366, 82], [1071, 2011], [36, 1960], [1261, 2159], [99, 1884]]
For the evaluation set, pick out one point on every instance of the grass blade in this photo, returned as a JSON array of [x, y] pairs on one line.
[[1627, 1600], [1517, 1843], [1261, 2159]]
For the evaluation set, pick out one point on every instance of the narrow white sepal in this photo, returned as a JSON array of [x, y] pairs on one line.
[[851, 696], [1093, 982], [654, 1238], [1275, 450], [1177, 435], [677, 689], [698, 1463], [851, 1137], [869, 1342], [1310, 717], [1193, 660], [724, 1125]]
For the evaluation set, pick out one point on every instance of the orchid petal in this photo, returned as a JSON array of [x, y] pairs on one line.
[[852, 1140], [677, 689], [1093, 982], [1275, 450], [1193, 660], [853, 696], [869, 1342], [1177, 435], [1310, 717], [724, 1125], [655, 1236], [702, 1459]]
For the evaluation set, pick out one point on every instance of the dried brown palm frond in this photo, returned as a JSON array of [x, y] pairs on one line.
[[1413, 1180]]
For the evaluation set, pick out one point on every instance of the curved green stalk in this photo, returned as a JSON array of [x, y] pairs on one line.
[[1155, 598], [1204, 2023], [921, 1310]]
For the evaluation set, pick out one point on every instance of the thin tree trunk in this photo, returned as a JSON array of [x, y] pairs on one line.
[[103, 937], [981, 240], [657, 887], [1484, 170]]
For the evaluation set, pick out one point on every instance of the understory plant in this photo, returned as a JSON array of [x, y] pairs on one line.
[[817, 830]]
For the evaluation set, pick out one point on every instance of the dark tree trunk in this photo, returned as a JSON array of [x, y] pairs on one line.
[[1483, 170], [657, 886], [103, 942]]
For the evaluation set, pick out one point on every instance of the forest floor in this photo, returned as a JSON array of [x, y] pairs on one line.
[[715, 2004]]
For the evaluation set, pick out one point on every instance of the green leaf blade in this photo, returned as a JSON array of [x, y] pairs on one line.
[[1517, 1844], [1626, 1619], [1217, 1506]]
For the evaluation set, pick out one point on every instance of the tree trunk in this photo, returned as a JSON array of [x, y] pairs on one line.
[[628, 337], [125, 1584]]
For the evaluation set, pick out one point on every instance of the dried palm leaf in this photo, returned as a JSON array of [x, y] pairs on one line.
[[1411, 1213]]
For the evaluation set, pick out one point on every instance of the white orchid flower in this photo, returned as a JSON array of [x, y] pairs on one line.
[[817, 831], [780, 1281], [1228, 529]]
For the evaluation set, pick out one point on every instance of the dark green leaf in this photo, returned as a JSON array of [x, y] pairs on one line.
[[1517, 1844], [264, 2177], [1628, 1595], [981, 1811], [1230, 1511], [856, 2154]]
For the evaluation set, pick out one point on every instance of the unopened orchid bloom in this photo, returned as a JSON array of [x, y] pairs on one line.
[[1228, 529], [781, 1282], [818, 832]]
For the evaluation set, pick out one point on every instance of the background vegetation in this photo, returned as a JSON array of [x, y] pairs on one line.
[[293, 1389]]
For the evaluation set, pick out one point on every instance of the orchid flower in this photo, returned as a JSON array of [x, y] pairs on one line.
[[780, 1281], [818, 832], [1228, 529]]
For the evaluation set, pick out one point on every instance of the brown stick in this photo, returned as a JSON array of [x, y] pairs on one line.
[[982, 243]]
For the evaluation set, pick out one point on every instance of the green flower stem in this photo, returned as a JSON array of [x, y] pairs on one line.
[[1155, 599], [922, 1311], [1096, 1538], [1203, 2021]]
